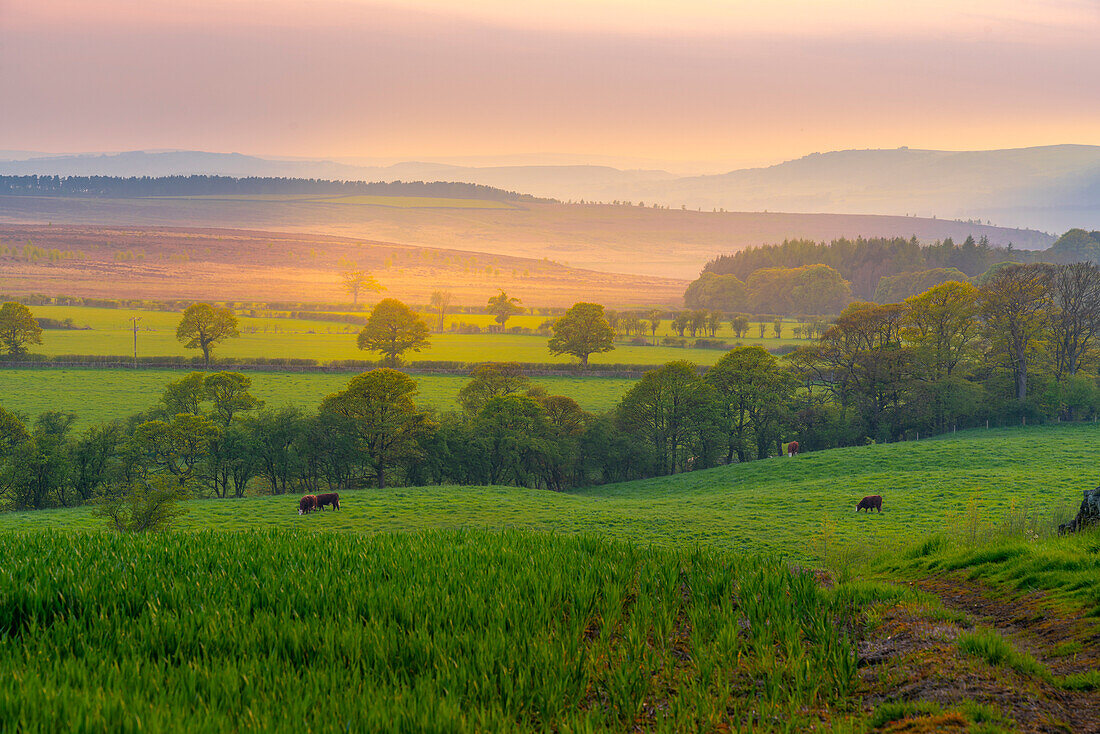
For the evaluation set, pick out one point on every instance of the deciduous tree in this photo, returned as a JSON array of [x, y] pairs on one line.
[[1075, 315], [753, 391], [387, 422], [942, 324], [1014, 303], [582, 332], [491, 380], [675, 412], [18, 328], [441, 301], [175, 446], [393, 329], [503, 307], [356, 281], [203, 326], [228, 391]]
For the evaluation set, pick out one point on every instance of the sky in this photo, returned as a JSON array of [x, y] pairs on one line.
[[686, 85]]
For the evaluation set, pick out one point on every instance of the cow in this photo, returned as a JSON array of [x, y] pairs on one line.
[[871, 502], [307, 504], [792, 449], [330, 498]]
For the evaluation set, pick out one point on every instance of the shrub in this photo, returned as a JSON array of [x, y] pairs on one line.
[[150, 506]]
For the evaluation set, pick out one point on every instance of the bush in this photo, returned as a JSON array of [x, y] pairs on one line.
[[148, 506], [461, 327]]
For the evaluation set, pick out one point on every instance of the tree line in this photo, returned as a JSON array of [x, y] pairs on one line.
[[198, 185], [1019, 348], [864, 262]]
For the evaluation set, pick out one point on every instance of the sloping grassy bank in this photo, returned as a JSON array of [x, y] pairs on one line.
[[802, 507]]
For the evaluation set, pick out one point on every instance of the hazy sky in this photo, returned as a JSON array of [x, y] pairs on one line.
[[690, 84]]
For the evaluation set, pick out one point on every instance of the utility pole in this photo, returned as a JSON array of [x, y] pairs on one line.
[[135, 320]]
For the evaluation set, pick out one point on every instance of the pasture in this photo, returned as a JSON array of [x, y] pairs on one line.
[[264, 337], [803, 508], [98, 395], [670, 604]]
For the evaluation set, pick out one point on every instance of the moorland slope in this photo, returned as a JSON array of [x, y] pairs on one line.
[[641, 240]]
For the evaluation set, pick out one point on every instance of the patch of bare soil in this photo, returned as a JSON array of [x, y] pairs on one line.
[[912, 655], [1029, 621]]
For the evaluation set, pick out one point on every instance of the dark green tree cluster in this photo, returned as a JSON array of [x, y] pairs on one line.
[[894, 288], [121, 187], [809, 289], [1020, 347], [862, 262], [191, 442]]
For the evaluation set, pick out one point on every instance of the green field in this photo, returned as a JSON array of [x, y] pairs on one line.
[[111, 334], [790, 506], [480, 632], [97, 395], [669, 604]]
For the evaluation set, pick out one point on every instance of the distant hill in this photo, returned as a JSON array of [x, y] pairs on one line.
[[665, 243], [194, 185], [1050, 188], [571, 181]]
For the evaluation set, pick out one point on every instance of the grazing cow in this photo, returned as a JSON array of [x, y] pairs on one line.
[[307, 504], [792, 449], [331, 498], [872, 502]]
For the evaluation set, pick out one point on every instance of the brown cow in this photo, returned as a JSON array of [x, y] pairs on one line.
[[792, 449], [330, 498], [871, 502], [307, 504]]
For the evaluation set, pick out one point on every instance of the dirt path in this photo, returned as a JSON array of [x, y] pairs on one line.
[[912, 655], [1028, 621]]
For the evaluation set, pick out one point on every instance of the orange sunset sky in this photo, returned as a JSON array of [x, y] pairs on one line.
[[692, 85]]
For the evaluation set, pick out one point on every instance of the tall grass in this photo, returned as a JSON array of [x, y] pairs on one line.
[[441, 631], [1021, 550], [995, 650]]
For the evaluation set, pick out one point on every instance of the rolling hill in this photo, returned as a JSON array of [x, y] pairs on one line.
[[157, 263], [787, 506], [1051, 188], [642, 241]]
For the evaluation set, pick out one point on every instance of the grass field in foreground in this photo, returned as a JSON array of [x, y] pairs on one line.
[[802, 507], [473, 631], [96, 395]]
